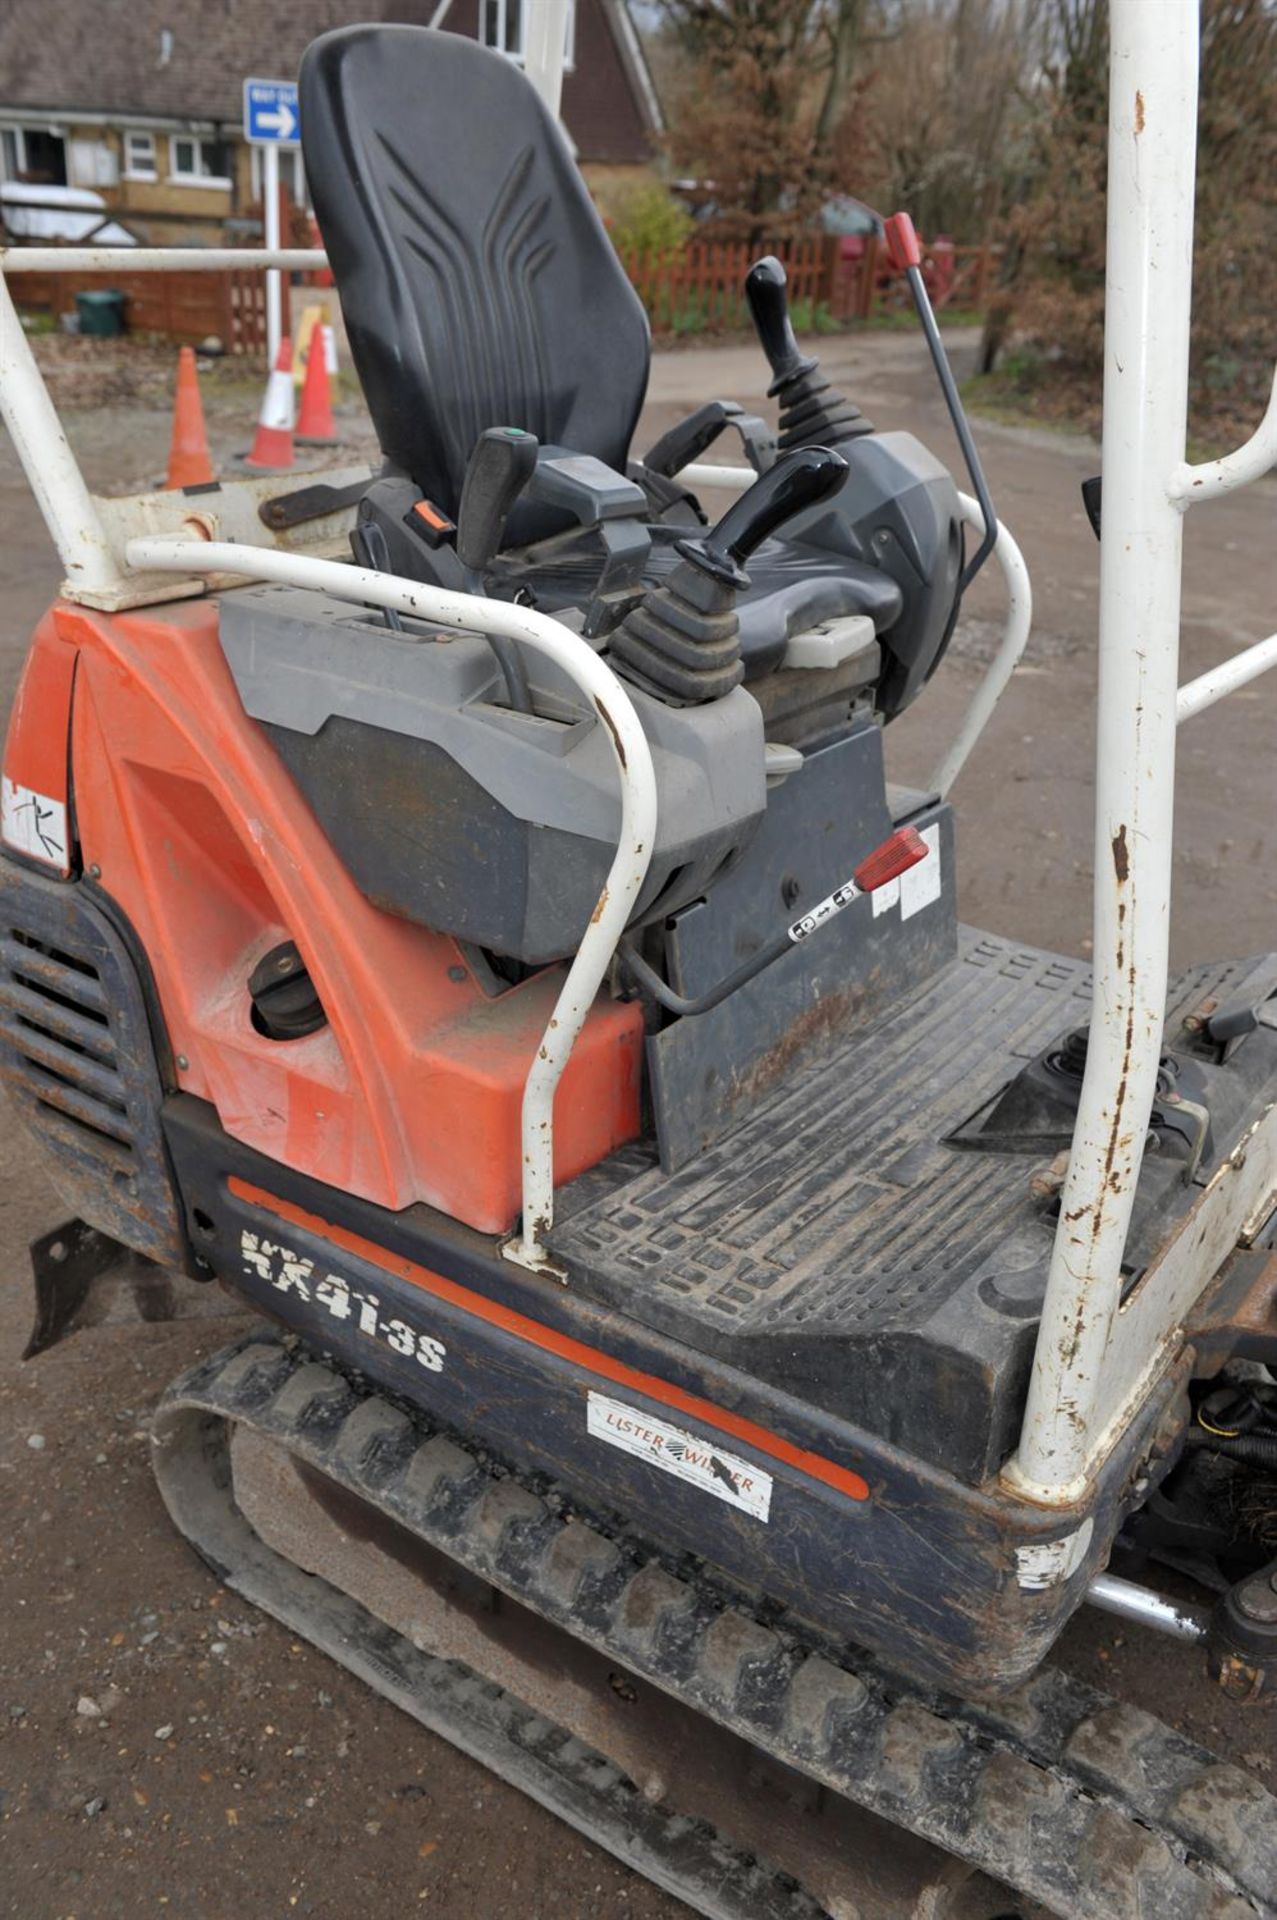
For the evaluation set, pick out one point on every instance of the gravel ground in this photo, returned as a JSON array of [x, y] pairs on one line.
[[163, 1749]]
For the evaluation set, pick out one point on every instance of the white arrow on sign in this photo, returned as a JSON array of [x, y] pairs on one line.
[[282, 121]]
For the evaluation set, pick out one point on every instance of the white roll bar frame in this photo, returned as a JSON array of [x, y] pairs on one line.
[[1097, 1354], [635, 772]]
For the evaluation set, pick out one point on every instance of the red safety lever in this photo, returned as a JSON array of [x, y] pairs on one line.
[[904, 249], [900, 851]]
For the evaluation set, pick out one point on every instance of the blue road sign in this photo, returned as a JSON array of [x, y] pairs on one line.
[[271, 118]]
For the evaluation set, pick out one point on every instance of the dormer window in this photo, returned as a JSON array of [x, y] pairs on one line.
[[502, 24]]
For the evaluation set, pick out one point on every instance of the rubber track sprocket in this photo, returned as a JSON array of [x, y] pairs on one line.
[[1095, 1809]]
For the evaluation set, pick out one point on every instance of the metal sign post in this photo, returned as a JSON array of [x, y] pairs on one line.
[[271, 121]]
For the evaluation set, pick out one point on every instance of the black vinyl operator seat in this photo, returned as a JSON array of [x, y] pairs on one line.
[[478, 285], [480, 290]]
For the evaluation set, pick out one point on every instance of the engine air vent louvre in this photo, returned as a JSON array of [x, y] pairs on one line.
[[53, 1016], [78, 1060]]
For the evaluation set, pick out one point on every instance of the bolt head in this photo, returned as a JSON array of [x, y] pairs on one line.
[[1258, 1601], [182, 1063]]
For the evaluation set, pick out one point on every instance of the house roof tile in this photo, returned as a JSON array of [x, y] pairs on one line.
[[64, 54]]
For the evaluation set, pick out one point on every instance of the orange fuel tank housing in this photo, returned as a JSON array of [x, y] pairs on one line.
[[186, 817]]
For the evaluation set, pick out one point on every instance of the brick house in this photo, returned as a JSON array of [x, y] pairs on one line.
[[142, 102]]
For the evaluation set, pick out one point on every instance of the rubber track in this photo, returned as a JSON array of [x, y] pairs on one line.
[[1095, 1809]]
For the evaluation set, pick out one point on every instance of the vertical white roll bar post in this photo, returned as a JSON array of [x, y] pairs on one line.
[[274, 279], [1152, 149], [49, 464], [635, 773], [93, 571]]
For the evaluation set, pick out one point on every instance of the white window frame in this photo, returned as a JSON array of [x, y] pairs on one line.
[[178, 177], [516, 53], [131, 170]]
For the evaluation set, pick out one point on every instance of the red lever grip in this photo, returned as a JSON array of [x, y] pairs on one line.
[[900, 851], [904, 249]]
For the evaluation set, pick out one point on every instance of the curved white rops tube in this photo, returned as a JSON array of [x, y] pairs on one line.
[[634, 768]]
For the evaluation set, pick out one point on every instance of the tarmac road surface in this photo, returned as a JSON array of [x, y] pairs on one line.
[[163, 1749]]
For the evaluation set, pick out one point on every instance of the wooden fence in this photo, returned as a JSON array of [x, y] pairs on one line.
[[185, 307], [698, 289], [701, 288]]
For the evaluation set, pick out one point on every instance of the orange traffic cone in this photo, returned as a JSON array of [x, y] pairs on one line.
[[272, 446], [315, 421], [188, 461]]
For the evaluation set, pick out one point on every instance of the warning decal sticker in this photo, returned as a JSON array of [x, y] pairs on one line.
[[683, 1454], [34, 824]]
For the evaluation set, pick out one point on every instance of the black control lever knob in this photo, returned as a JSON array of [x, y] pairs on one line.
[[798, 480], [812, 413], [769, 308], [498, 471], [682, 642]]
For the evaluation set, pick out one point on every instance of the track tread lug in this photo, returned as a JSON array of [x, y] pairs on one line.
[[1223, 1810], [732, 1650], [1131, 1871], [505, 1508], [821, 1698], [372, 1431], [260, 1365], [438, 1467], [649, 1604], [578, 1558], [913, 1740], [1110, 1746], [311, 1395]]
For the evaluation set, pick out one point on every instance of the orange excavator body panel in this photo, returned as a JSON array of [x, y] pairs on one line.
[[188, 820]]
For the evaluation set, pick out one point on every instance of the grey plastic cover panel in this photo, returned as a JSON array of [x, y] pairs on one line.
[[299, 658]]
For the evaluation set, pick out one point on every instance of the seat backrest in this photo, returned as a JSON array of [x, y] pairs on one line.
[[478, 285]]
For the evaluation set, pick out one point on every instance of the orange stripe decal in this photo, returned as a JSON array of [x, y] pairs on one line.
[[590, 1359]]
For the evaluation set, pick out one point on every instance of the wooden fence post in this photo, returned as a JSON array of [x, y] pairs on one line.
[[868, 288]]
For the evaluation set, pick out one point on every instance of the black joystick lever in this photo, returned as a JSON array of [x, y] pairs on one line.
[[682, 642], [806, 477], [497, 472], [812, 413]]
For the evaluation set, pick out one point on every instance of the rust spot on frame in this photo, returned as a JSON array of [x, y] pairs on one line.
[[1121, 856], [611, 726], [1139, 113]]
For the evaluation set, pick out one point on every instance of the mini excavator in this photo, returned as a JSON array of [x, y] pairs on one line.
[[720, 1316]]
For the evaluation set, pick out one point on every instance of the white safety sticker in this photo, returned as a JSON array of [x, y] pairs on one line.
[[918, 887], [684, 1455], [33, 824], [923, 883]]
